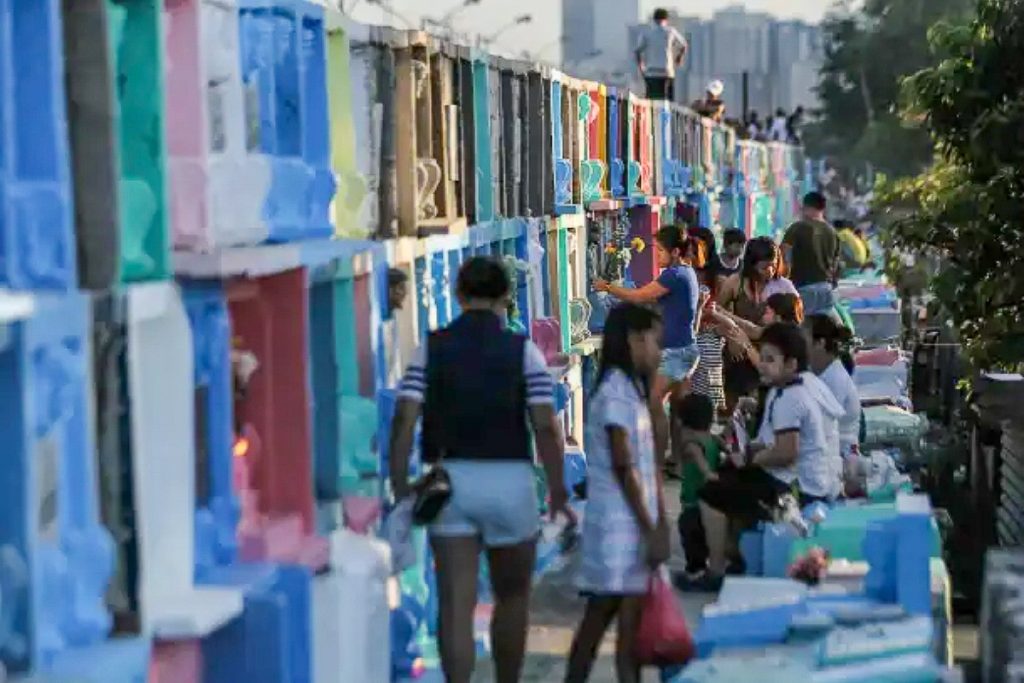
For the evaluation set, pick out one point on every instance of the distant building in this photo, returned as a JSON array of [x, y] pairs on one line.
[[798, 52], [781, 59], [596, 38]]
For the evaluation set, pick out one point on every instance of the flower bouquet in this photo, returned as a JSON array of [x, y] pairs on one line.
[[810, 568], [618, 256], [515, 268]]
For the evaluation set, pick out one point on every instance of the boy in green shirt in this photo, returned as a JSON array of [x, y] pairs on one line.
[[701, 455]]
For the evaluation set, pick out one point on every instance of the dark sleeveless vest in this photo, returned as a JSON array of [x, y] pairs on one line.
[[475, 403]]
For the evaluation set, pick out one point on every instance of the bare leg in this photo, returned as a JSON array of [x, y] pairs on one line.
[[587, 641], [511, 577], [735, 528], [458, 563], [716, 531], [626, 666], [663, 390]]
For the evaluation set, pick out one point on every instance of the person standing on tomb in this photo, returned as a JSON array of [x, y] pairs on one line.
[[486, 397], [659, 52]]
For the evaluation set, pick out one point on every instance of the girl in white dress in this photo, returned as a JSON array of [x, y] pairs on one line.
[[625, 530]]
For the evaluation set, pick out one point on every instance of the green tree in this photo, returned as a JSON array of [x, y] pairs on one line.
[[966, 211], [868, 51]]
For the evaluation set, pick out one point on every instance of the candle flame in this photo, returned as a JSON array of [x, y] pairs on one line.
[[241, 448]]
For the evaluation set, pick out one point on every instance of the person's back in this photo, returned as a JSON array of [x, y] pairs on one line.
[[812, 250], [679, 306], [831, 414], [815, 246], [484, 395], [659, 49], [778, 131], [693, 477], [842, 386], [468, 427]]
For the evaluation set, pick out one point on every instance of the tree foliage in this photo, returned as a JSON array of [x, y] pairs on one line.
[[967, 210], [868, 51]]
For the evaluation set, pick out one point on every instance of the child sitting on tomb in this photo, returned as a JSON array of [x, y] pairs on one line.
[[693, 417]]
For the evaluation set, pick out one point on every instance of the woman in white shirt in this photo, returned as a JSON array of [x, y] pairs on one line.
[[828, 339]]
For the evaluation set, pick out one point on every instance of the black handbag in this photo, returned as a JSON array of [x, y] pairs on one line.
[[431, 493]]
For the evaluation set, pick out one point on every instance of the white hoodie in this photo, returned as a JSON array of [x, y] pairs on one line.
[[831, 413]]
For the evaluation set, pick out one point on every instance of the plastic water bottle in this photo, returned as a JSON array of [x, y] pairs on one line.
[[789, 513]]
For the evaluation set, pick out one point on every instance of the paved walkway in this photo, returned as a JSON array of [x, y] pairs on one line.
[[555, 612]]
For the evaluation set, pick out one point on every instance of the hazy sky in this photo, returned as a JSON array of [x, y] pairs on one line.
[[542, 34]]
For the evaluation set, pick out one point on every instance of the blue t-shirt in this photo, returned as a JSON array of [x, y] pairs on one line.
[[679, 306]]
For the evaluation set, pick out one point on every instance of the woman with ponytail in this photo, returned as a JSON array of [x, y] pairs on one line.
[[829, 341], [677, 293], [744, 297]]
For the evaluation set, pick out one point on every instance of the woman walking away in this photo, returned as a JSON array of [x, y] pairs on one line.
[[677, 293], [625, 530], [481, 433]]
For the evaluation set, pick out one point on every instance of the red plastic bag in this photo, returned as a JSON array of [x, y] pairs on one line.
[[663, 638]]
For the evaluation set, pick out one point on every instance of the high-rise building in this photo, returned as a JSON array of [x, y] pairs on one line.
[[596, 38], [577, 30], [798, 52], [741, 41]]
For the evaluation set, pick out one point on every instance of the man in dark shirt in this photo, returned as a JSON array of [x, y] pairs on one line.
[[811, 248]]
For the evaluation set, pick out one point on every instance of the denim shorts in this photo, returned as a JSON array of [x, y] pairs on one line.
[[679, 364], [818, 299], [492, 500]]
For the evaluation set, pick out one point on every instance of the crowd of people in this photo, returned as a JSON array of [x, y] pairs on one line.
[[730, 371], [780, 127]]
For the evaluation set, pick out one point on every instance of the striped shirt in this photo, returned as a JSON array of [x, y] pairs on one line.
[[540, 387], [709, 378]]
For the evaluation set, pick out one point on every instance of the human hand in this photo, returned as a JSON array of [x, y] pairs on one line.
[[753, 451], [601, 285], [658, 545], [747, 405], [559, 504], [732, 332], [400, 491]]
